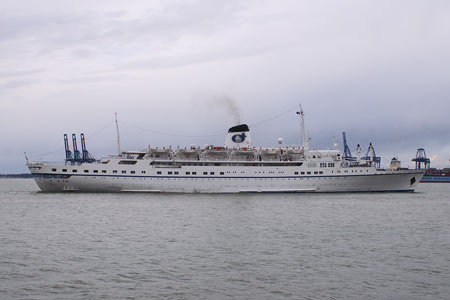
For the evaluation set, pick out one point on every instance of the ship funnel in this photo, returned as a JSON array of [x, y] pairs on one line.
[[238, 137]]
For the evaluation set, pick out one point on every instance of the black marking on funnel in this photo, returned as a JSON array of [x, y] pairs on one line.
[[239, 128]]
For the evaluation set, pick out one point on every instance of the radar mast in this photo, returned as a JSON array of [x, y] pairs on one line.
[[305, 143]]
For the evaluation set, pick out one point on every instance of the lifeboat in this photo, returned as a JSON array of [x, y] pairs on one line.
[[270, 154]]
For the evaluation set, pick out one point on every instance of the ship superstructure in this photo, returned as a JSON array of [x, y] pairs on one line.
[[235, 167]]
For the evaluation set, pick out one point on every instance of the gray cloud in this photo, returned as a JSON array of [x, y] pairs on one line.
[[13, 84], [19, 73]]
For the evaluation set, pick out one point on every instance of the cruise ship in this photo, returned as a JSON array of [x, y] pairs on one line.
[[235, 167]]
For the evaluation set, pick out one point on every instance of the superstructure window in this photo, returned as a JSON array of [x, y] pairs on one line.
[[205, 173], [64, 170], [323, 165], [188, 173], [159, 172], [115, 171], [95, 171], [211, 173], [169, 173], [303, 173], [194, 173], [132, 172], [103, 171], [309, 173], [86, 171], [295, 173], [127, 162], [74, 170], [142, 172], [124, 172], [53, 170], [176, 173], [330, 165]]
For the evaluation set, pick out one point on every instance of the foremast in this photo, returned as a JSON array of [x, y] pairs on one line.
[[305, 144]]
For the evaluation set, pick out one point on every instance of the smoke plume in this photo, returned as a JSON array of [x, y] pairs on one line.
[[230, 106], [219, 102]]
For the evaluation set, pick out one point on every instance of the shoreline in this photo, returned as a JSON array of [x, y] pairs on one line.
[[23, 175]]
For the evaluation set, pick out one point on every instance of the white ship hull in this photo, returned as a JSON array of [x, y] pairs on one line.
[[208, 179], [237, 167]]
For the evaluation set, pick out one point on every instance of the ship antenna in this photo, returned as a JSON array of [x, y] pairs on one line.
[[305, 143], [118, 137]]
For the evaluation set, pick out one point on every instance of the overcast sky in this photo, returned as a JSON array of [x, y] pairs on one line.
[[183, 72]]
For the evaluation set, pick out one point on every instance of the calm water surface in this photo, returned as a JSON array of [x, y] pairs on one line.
[[271, 246]]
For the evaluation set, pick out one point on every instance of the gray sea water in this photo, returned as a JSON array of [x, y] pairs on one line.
[[262, 246]]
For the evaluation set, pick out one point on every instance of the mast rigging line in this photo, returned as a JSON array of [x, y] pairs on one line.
[[208, 135], [171, 134], [167, 133], [62, 148], [274, 117], [100, 130]]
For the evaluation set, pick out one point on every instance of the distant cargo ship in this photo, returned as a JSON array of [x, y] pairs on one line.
[[436, 175]]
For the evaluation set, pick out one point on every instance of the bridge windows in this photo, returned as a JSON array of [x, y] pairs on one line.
[[127, 162]]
